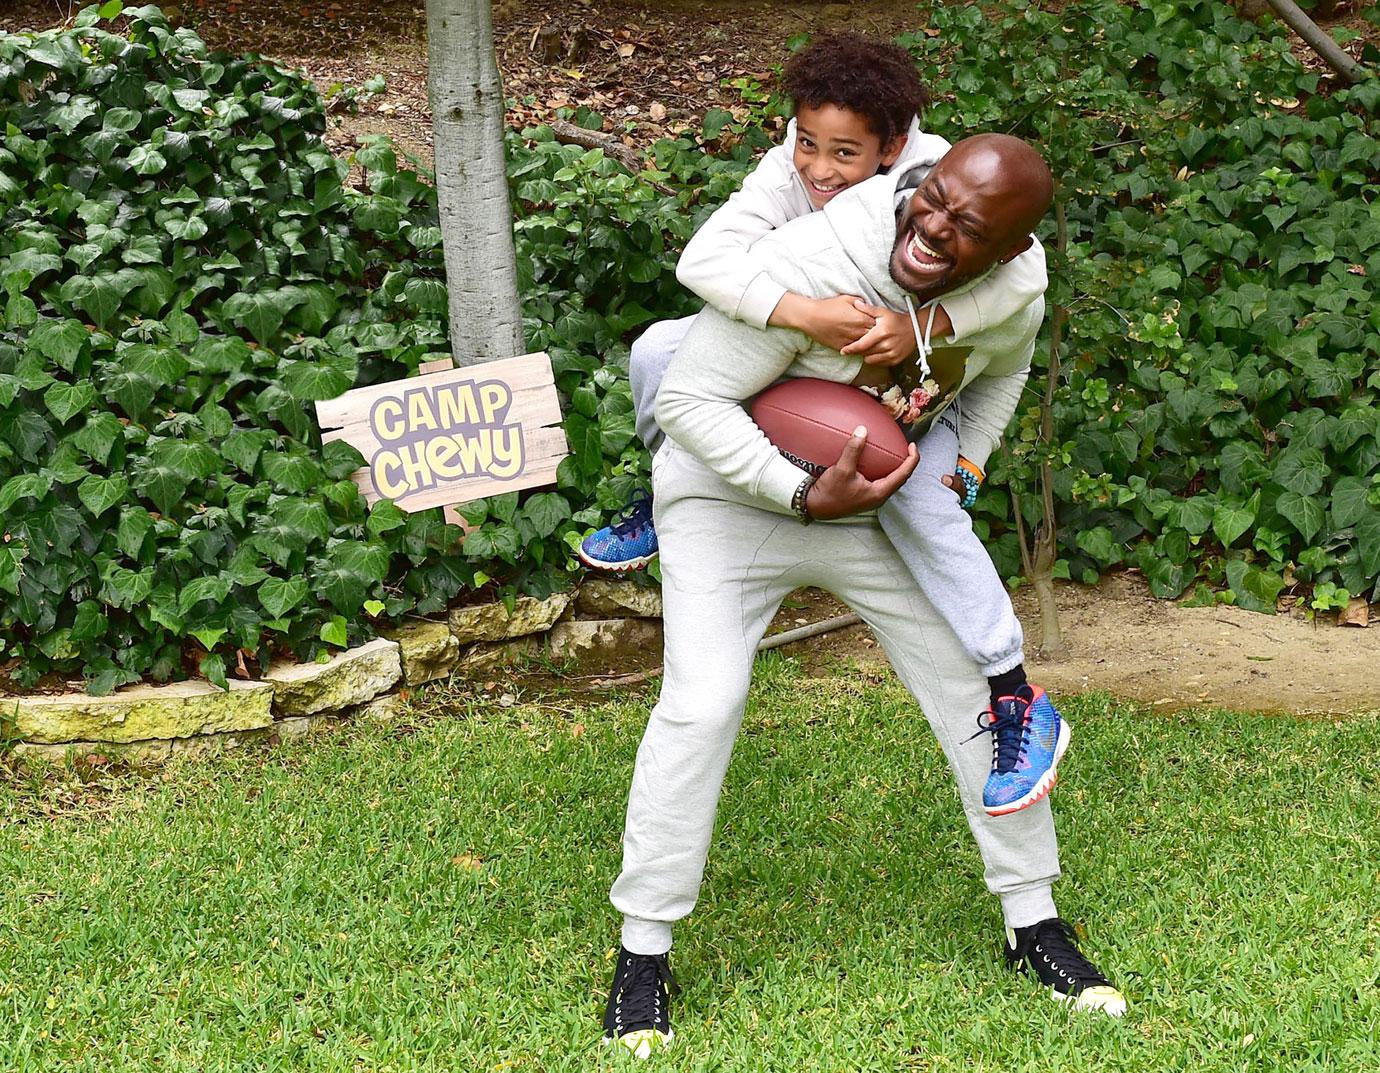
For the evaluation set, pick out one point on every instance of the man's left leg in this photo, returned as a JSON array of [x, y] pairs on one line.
[[1019, 852]]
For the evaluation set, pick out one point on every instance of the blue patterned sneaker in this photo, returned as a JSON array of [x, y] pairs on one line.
[[628, 544], [1028, 738], [638, 1016]]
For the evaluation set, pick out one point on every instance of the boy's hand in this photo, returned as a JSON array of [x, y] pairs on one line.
[[892, 338], [841, 490], [834, 322]]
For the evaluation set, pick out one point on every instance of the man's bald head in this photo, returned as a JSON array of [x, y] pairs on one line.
[[976, 207]]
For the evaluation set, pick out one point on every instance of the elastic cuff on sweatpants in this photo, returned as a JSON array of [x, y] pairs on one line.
[[646, 936], [1021, 908], [1004, 664]]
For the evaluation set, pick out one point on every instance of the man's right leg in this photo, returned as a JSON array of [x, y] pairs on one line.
[[719, 596], [629, 542]]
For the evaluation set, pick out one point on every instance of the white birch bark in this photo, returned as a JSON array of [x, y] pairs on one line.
[[472, 191]]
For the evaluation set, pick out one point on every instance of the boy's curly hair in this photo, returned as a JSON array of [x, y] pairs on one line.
[[873, 78]]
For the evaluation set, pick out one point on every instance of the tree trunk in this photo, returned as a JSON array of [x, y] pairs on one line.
[[471, 183], [1319, 41], [1046, 543]]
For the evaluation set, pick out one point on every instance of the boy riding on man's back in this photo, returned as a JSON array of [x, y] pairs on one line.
[[856, 103]]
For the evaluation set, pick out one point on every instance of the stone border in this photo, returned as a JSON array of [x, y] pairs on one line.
[[146, 725]]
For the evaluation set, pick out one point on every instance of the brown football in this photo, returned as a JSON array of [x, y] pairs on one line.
[[813, 419]]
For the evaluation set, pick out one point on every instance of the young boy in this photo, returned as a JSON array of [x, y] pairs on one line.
[[855, 116]]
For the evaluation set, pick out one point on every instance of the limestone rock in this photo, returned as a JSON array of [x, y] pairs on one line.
[[429, 650], [633, 641], [349, 678], [142, 753], [619, 599], [491, 622], [382, 709], [179, 710], [484, 658]]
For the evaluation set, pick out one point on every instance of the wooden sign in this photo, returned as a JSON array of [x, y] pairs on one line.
[[454, 435]]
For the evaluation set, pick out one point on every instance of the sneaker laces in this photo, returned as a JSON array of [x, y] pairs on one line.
[[1009, 727], [636, 515], [639, 999], [1053, 940]]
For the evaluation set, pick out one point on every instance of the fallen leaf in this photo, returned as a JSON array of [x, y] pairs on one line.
[[626, 51], [467, 860], [577, 730], [1356, 613], [657, 111]]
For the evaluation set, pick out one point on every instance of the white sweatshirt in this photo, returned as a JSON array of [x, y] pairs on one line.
[[718, 264], [846, 249]]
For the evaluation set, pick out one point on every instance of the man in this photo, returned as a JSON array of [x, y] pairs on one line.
[[729, 512]]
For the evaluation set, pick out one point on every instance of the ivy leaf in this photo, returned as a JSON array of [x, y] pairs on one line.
[[261, 313], [385, 516], [545, 511], [212, 666], [99, 494], [146, 160], [134, 527], [1302, 471], [96, 438], [1350, 501], [24, 486], [1304, 512], [291, 472], [313, 381], [214, 588], [344, 576], [278, 596], [1231, 520], [1368, 543], [1255, 589], [65, 401], [335, 633], [60, 341], [125, 588]]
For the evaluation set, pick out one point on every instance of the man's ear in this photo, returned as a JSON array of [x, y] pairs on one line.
[[891, 152], [1017, 249]]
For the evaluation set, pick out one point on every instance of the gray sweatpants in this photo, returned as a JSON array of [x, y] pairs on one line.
[[726, 565], [924, 520]]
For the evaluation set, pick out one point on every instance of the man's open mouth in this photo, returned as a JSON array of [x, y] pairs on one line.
[[921, 257]]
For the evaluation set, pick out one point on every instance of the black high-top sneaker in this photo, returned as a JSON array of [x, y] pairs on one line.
[[1047, 949], [638, 1014]]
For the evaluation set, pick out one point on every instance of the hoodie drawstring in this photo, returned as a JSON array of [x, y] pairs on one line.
[[922, 342]]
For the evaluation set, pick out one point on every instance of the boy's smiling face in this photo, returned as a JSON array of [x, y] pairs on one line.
[[835, 148]]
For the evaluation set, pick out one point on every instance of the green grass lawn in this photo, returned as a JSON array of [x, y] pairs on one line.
[[436, 899]]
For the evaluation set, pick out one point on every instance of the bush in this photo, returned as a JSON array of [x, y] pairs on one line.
[[1216, 413], [184, 273]]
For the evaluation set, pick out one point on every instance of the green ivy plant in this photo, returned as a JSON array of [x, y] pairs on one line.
[[1214, 415], [185, 272]]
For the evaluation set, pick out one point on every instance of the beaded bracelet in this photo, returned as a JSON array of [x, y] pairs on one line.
[[798, 506], [971, 477]]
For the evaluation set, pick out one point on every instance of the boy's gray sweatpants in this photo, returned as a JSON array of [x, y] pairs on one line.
[[726, 565], [924, 520]]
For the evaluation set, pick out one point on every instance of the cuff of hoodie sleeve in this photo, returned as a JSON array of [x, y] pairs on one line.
[[964, 315], [975, 450], [762, 296], [779, 482]]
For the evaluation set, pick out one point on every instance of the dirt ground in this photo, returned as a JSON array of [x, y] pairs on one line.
[[1126, 642], [650, 66]]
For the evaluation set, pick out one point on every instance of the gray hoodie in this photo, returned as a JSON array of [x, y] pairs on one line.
[[846, 249]]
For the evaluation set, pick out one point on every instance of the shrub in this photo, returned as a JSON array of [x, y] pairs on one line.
[[1216, 413], [184, 273]]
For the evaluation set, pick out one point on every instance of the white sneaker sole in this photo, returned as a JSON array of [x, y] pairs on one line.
[[641, 562], [641, 1044], [1106, 1000], [1046, 783]]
